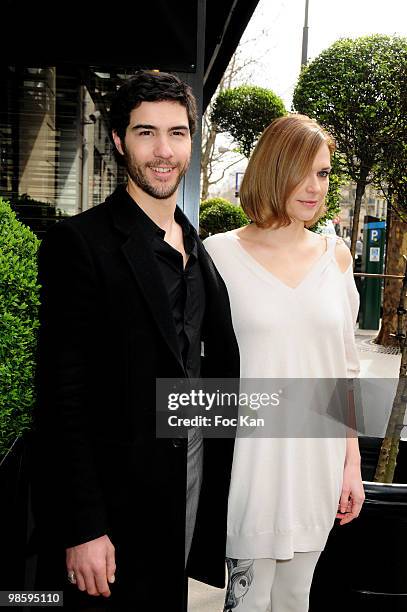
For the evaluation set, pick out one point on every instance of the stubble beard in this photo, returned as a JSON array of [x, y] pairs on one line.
[[138, 176]]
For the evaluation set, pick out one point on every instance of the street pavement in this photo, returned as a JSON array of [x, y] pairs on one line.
[[373, 364]]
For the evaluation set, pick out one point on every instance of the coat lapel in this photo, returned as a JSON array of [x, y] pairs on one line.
[[139, 254], [212, 289]]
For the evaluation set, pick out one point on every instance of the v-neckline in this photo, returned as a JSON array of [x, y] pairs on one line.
[[257, 265]]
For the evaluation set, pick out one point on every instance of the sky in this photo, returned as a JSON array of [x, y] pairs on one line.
[[273, 38]]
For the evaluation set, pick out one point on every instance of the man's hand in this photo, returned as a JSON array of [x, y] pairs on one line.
[[93, 564]]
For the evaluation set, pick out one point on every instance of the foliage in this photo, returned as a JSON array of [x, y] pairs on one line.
[[391, 174], [19, 301], [337, 178], [205, 204], [26, 200], [353, 89], [218, 215], [356, 90], [244, 112]]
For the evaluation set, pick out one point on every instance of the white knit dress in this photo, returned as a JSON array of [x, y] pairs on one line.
[[285, 491]]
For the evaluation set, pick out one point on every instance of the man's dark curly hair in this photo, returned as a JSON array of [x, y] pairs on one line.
[[146, 86]]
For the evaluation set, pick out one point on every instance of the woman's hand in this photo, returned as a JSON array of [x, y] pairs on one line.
[[353, 494]]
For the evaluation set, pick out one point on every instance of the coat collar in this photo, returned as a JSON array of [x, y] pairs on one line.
[[127, 215], [138, 252]]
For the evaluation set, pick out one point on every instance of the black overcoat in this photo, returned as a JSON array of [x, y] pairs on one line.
[[106, 334]]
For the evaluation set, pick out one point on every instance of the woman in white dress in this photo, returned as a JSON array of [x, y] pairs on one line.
[[294, 306]]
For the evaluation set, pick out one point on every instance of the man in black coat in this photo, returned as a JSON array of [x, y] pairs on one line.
[[130, 295]]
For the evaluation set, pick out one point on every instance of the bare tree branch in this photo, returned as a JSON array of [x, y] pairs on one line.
[[225, 169], [210, 160]]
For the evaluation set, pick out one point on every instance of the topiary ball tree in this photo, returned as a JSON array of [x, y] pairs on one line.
[[356, 89], [218, 215], [244, 113], [19, 302]]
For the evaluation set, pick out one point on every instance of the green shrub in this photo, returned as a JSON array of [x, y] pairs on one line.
[[205, 204], [19, 301], [337, 178], [217, 215]]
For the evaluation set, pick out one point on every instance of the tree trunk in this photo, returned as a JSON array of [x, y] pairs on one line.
[[207, 153], [389, 199], [205, 184], [386, 465], [396, 248], [360, 190], [390, 446]]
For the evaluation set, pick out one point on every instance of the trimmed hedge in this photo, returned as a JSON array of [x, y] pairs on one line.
[[19, 302], [218, 215]]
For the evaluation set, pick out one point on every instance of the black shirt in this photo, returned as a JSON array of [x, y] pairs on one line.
[[185, 286]]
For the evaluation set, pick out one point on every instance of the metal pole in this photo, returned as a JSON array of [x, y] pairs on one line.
[[370, 275], [304, 55]]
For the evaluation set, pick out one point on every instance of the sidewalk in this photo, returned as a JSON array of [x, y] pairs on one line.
[[203, 598], [375, 362]]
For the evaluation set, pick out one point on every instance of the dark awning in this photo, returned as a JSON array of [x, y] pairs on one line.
[[226, 20], [123, 36]]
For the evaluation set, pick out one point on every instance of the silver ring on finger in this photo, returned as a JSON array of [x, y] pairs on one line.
[[72, 577]]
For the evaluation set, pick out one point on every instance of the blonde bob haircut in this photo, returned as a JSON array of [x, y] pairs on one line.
[[282, 158]]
